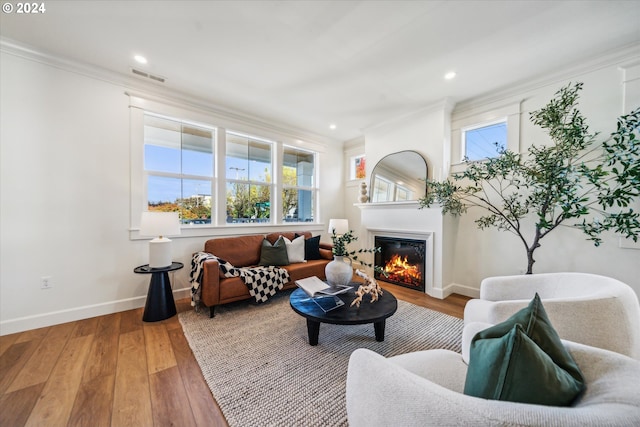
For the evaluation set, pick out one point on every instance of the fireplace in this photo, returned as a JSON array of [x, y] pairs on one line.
[[403, 261]]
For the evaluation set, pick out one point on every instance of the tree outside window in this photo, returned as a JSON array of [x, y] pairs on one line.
[[298, 170], [249, 179]]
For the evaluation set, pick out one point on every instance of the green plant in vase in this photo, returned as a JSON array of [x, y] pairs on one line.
[[340, 243], [338, 272]]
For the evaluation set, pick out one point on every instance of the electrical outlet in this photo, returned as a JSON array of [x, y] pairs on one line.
[[46, 282]]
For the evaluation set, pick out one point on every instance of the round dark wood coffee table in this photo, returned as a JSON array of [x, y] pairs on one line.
[[375, 313]]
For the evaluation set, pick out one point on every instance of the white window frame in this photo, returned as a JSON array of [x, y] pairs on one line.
[[479, 117], [313, 188], [183, 176], [272, 185], [390, 189], [463, 136], [139, 104]]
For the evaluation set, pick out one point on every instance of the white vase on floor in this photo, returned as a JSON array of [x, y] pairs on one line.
[[338, 272]]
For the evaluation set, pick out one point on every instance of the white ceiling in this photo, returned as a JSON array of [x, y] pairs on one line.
[[311, 63]]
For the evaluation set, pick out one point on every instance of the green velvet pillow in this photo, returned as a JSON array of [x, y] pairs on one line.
[[523, 360], [274, 255]]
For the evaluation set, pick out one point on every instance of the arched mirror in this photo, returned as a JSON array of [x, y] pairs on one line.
[[399, 177]]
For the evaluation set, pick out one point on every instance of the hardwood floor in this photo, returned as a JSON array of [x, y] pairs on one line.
[[116, 370]]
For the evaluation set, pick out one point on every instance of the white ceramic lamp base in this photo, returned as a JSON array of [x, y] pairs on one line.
[[160, 253]]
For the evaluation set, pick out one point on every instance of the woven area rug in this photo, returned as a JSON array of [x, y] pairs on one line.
[[262, 372]]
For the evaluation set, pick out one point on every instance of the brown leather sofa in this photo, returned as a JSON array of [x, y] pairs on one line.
[[244, 251]]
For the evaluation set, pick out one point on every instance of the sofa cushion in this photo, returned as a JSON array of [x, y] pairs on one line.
[[274, 255], [301, 270], [241, 251], [272, 237], [311, 247], [295, 249], [523, 360]]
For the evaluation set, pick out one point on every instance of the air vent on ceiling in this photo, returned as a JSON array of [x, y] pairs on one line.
[[147, 75]]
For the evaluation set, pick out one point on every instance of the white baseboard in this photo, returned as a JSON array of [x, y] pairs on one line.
[[26, 323], [456, 288]]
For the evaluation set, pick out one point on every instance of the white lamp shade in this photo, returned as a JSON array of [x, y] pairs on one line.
[[341, 226], [159, 224]]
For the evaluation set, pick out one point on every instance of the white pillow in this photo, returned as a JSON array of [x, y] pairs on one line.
[[295, 249]]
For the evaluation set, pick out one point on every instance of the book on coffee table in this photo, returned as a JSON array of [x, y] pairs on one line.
[[314, 286], [328, 302]]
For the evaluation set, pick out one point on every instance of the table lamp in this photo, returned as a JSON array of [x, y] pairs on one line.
[[160, 225], [341, 226]]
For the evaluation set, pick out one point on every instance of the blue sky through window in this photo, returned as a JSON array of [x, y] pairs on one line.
[[480, 142]]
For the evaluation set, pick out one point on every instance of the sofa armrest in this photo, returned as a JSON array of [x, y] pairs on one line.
[[210, 286], [326, 250], [381, 393]]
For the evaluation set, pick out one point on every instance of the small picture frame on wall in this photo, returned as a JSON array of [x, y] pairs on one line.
[[358, 167]]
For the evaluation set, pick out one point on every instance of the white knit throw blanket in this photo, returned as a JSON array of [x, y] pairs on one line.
[[263, 282]]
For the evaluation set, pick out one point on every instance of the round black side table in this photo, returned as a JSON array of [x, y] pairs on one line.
[[160, 304]]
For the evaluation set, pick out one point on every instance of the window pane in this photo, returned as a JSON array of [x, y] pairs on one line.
[[171, 151], [259, 161], [163, 191], [195, 205], [161, 145], [402, 193], [297, 167], [480, 143], [248, 202], [197, 151], [247, 159], [297, 205], [381, 190]]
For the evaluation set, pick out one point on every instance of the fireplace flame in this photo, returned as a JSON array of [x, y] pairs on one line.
[[399, 270]]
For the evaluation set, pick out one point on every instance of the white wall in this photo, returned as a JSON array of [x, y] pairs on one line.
[[65, 198], [477, 254], [480, 254]]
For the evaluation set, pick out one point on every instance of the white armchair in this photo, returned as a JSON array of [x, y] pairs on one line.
[[585, 308], [425, 389]]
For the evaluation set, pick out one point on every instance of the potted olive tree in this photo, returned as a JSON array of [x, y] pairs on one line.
[[579, 180]]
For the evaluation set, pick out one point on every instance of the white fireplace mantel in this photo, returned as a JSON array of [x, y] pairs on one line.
[[406, 219]]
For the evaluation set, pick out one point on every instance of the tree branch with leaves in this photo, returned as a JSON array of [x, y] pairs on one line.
[[578, 180]]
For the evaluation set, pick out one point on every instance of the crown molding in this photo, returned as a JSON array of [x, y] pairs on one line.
[[623, 56], [445, 105], [157, 91]]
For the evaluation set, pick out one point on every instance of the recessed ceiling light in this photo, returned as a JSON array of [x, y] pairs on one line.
[[450, 75], [140, 59], [332, 126]]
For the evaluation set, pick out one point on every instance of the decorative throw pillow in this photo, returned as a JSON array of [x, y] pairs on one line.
[[295, 249], [275, 254], [311, 247], [523, 360]]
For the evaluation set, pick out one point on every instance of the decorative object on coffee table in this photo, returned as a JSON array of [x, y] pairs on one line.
[[370, 287], [375, 313], [338, 272]]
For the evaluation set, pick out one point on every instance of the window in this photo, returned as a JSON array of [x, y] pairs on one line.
[[382, 190], [178, 164], [402, 193], [298, 185], [483, 142], [216, 177], [249, 179]]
